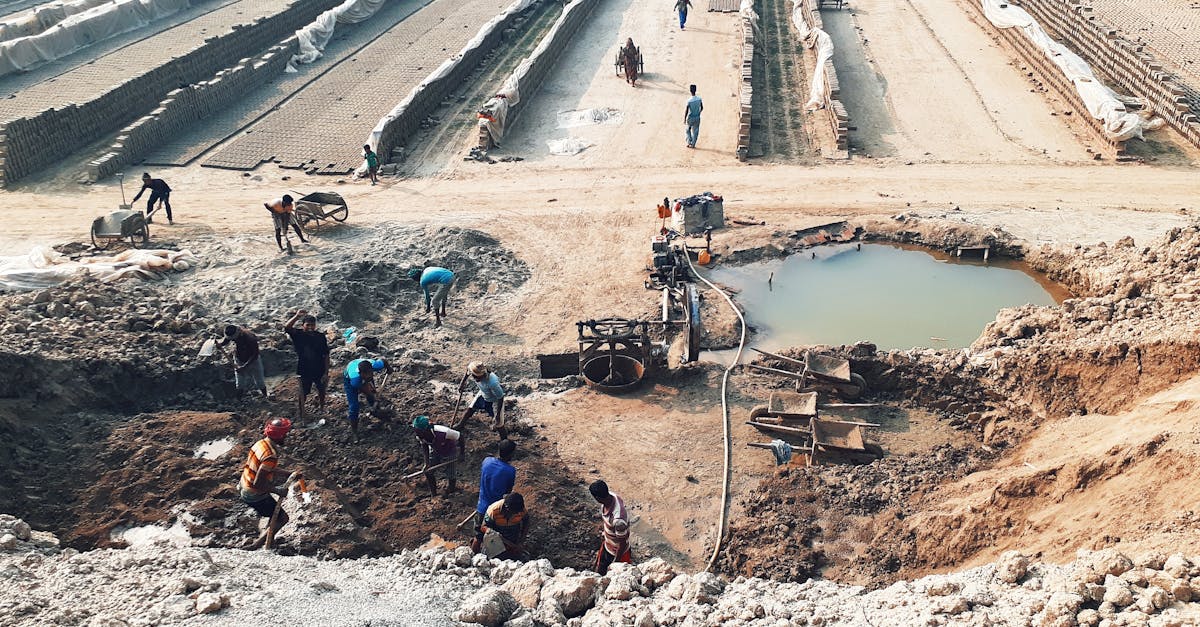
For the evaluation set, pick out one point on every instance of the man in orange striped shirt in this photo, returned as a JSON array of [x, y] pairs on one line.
[[615, 527], [261, 474]]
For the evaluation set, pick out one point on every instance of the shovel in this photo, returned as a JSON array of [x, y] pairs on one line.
[[209, 347]]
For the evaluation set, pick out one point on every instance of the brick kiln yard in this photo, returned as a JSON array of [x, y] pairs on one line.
[[1061, 430]]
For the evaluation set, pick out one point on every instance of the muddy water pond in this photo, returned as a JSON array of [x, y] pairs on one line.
[[895, 297]]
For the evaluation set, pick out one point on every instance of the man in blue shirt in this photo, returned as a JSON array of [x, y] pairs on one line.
[[496, 478], [438, 281], [491, 395], [691, 117], [359, 376]]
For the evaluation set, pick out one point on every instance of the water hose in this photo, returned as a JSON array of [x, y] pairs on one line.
[[724, 524]]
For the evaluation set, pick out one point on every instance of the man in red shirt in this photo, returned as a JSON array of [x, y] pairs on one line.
[[614, 519]]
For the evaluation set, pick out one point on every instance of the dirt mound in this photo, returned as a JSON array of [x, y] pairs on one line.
[[355, 277]]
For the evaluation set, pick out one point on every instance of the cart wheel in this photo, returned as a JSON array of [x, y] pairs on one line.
[[141, 238], [340, 214], [758, 412], [300, 224], [857, 379], [97, 241]]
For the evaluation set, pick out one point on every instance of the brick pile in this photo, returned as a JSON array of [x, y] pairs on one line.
[[184, 106], [548, 51], [1127, 63], [425, 98], [835, 112], [745, 89], [33, 139]]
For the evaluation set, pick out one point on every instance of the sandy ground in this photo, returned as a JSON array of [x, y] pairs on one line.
[[581, 223]]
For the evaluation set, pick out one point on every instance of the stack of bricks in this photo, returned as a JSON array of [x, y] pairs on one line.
[[28, 144], [831, 104], [425, 98], [1125, 62], [184, 106], [745, 90], [1051, 74], [538, 64]]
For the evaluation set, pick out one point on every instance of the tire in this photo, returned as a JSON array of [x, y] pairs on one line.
[[141, 239], [340, 214], [96, 241]]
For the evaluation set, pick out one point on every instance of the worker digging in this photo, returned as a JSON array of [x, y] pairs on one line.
[[910, 339]]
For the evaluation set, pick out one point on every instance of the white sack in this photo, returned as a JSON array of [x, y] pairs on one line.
[[42, 267]]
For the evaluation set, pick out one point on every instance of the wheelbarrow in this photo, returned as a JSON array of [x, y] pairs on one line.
[[121, 225], [819, 373], [312, 208]]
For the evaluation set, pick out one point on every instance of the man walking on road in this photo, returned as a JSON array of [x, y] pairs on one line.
[[496, 478], [614, 519], [312, 358], [247, 363], [435, 283], [159, 190], [691, 117], [359, 377], [682, 7], [261, 477]]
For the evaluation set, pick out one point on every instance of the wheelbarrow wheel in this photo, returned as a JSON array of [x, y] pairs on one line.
[[141, 238], [855, 388], [101, 243], [341, 213]]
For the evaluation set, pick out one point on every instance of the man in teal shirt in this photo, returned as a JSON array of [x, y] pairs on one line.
[[359, 376], [435, 283], [691, 117]]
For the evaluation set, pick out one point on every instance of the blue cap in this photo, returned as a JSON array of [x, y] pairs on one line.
[[421, 422]]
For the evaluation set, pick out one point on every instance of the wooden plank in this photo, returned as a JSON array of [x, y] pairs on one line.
[[783, 373], [779, 357], [780, 428]]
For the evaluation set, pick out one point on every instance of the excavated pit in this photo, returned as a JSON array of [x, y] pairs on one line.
[[1129, 333], [108, 405]]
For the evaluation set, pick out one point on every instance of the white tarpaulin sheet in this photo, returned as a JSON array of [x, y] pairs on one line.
[[1102, 103], [590, 117], [820, 41], [444, 69], [314, 37], [43, 267], [83, 29], [39, 18], [567, 146]]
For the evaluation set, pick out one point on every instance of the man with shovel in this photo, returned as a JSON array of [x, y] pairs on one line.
[[491, 396], [283, 215], [359, 377], [261, 477], [312, 358], [442, 447], [247, 363]]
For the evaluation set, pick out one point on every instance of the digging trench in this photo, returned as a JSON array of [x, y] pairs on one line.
[[95, 443]]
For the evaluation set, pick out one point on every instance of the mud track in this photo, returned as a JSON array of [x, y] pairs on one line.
[[777, 125]]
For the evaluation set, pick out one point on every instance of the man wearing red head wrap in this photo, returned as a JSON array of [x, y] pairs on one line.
[[262, 477]]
